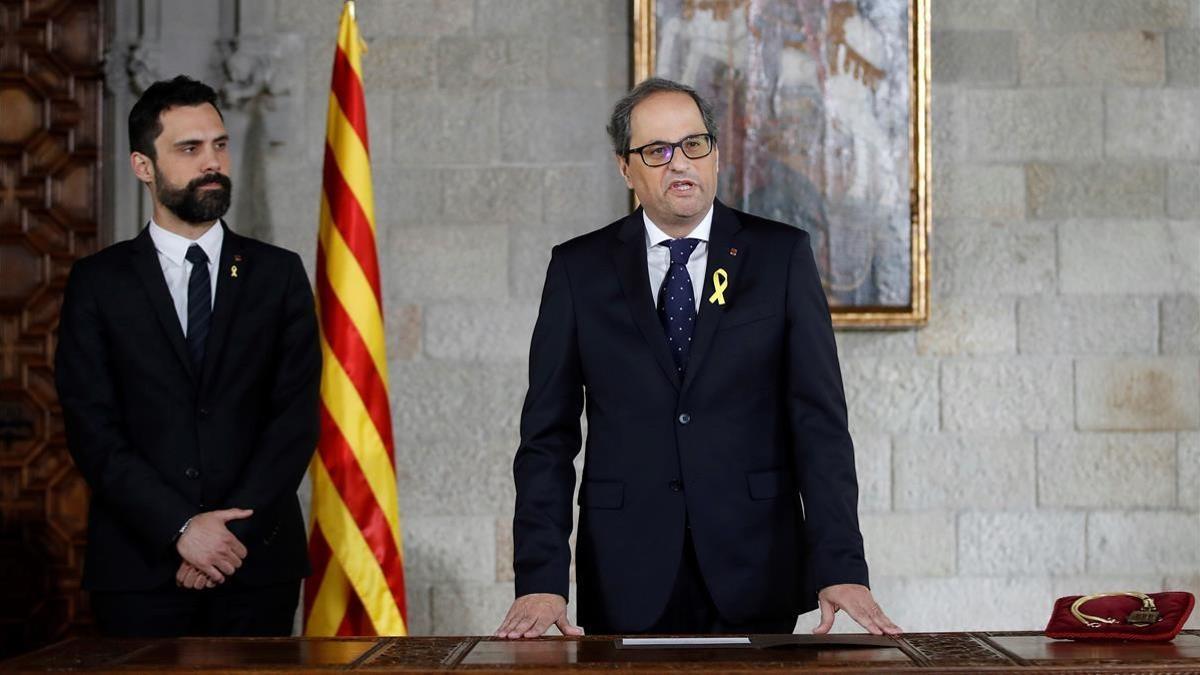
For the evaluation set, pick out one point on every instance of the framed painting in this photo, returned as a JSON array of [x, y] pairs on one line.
[[823, 115]]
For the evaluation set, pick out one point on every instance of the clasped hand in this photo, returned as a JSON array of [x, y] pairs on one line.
[[210, 552]]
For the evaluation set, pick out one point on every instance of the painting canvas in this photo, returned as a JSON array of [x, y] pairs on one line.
[[822, 114]]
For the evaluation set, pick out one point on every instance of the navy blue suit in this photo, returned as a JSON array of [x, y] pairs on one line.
[[159, 440], [757, 421]]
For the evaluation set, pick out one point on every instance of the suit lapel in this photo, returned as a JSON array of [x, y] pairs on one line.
[[629, 255], [229, 290], [724, 253], [149, 270]]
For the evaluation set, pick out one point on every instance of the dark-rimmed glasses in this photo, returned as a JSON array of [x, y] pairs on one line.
[[659, 153]]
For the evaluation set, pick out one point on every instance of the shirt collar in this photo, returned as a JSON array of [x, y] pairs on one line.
[[174, 247], [655, 236]]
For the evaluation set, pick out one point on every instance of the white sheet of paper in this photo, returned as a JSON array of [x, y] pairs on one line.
[[683, 641]]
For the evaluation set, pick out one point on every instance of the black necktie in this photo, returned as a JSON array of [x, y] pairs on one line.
[[199, 306], [677, 301]]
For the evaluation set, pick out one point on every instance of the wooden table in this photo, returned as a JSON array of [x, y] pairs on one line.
[[1009, 652]]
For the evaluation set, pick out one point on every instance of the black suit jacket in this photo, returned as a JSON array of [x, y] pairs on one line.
[[758, 420], [158, 442]]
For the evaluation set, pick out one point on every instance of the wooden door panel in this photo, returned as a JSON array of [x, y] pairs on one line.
[[50, 142]]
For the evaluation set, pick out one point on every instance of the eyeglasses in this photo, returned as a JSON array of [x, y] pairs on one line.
[[659, 153]]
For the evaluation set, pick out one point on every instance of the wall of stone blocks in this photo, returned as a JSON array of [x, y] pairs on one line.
[[1040, 437]]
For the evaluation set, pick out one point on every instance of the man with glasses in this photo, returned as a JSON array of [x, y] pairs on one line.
[[718, 492]]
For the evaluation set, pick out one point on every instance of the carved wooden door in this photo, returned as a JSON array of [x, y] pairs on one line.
[[50, 151]]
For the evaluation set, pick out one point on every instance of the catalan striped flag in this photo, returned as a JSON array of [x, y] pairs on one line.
[[357, 587]]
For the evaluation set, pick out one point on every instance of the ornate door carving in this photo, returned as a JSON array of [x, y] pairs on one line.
[[51, 97]]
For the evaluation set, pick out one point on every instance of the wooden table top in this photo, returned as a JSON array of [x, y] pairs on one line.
[[987, 652]]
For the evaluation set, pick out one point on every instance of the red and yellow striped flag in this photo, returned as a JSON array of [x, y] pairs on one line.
[[357, 587]]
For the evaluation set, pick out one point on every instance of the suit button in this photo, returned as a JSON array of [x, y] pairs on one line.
[[192, 472], [204, 412], [676, 486], [684, 418]]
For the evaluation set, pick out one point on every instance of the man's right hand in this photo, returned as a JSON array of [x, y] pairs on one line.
[[210, 547], [532, 615]]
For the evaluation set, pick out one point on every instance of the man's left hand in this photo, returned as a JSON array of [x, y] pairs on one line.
[[858, 602], [189, 577]]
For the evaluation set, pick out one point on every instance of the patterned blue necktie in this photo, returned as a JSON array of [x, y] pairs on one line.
[[199, 306], [677, 301]]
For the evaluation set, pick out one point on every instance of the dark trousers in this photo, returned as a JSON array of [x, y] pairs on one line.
[[690, 610], [228, 610]]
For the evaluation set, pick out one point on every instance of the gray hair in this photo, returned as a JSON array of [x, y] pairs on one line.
[[619, 126]]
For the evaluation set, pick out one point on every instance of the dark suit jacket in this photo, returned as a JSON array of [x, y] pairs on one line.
[[158, 442], [758, 420]]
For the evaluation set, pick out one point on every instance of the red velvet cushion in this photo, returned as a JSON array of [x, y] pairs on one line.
[[1174, 608]]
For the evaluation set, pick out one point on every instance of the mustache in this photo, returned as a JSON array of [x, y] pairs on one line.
[[218, 178]]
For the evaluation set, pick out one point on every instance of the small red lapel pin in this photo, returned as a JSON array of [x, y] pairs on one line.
[[733, 252]]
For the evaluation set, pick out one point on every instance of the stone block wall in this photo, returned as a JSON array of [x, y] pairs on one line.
[[1040, 437], [1066, 267]]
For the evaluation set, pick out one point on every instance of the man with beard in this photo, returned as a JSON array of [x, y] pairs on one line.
[[188, 371]]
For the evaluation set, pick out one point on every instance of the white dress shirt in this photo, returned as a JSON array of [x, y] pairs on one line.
[[658, 258], [177, 270]]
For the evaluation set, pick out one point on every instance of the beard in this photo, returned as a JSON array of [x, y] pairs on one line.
[[192, 204]]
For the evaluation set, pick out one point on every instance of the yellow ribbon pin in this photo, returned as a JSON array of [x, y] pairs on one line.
[[233, 271], [720, 283]]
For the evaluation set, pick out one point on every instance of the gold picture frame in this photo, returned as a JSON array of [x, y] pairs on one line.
[[914, 311]]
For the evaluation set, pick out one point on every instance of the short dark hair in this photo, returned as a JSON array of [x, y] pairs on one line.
[[145, 123], [619, 125]]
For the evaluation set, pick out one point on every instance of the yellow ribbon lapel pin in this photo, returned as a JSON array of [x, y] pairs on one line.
[[720, 283]]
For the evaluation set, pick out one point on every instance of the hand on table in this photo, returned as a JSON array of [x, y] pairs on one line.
[[209, 546], [532, 615], [858, 602]]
